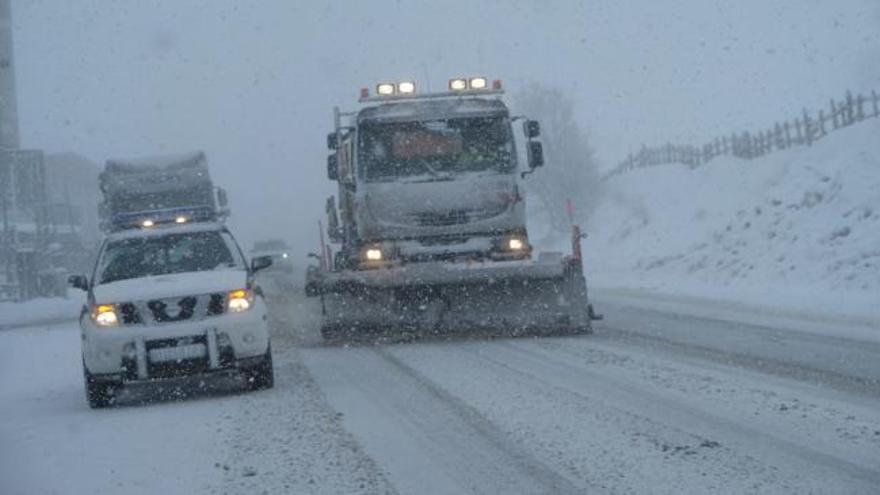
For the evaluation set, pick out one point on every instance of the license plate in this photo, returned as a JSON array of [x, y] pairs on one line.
[[178, 353]]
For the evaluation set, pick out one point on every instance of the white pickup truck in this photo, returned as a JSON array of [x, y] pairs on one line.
[[168, 301]]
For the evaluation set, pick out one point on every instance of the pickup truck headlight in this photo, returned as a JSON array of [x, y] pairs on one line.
[[515, 244], [240, 300], [373, 254], [104, 315]]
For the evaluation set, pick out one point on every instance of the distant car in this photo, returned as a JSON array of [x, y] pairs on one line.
[[276, 249], [172, 301]]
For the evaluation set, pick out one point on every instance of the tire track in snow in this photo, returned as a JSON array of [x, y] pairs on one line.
[[787, 369], [428, 440], [589, 384], [845, 364], [288, 439]]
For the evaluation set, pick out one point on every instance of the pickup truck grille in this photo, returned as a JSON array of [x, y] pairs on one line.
[[172, 310]]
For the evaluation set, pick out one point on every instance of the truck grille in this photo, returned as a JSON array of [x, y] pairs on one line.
[[456, 217], [440, 218], [172, 310]]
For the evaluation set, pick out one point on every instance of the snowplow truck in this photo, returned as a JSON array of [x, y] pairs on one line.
[[142, 192], [429, 230]]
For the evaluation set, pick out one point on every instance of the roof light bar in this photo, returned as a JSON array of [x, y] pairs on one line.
[[459, 86]]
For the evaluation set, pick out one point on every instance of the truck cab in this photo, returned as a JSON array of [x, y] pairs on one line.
[[430, 177], [167, 187]]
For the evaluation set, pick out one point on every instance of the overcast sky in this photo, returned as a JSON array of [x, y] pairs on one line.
[[253, 83]]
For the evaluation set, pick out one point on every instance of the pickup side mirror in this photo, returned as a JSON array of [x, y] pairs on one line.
[[78, 282], [531, 128], [332, 168], [332, 141], [536, 154], [261, 263]]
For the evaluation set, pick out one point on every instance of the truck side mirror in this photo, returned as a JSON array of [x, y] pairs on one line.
[[78, 282], [222, 198], [536, 154], [261, 263], [531, 128], [332, 168], [332, 141]]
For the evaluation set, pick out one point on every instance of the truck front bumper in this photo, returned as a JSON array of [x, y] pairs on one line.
[[139, 352]]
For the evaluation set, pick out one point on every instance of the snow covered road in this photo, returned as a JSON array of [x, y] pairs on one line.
[[656, 401]]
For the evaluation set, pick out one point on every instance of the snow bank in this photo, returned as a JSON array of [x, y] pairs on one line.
[[797, 229], [43, 310]]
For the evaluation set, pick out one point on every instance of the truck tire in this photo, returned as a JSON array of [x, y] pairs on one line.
[[99, 394], [261, 376]]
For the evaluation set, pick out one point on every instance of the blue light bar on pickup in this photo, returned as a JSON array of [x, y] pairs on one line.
[[150, 218]]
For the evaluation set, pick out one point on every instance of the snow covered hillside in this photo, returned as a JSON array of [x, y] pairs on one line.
[[797, 229]]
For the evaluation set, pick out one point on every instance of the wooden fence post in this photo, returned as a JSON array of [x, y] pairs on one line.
[[850, 111], [787, 135], [822, 123], [860, 110], [800, 136], [874, 99], [808, 128], [834, 115]]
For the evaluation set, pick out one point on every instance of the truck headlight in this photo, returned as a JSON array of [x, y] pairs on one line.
[[104, 315], [515, 244], [239, 300], [373, 254]]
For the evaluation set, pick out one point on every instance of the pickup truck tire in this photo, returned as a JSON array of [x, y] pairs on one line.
[[99, 394], [261, 376]]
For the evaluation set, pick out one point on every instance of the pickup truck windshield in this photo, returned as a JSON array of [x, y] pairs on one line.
[[435, 148], [174, 253]]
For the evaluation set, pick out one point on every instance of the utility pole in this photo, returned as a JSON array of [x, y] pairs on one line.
[[8, 103], [9, 142]]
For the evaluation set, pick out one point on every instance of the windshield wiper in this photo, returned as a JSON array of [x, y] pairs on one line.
[[436, 174]]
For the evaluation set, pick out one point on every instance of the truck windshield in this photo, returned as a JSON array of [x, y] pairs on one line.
[[174, 253], [435, 148]]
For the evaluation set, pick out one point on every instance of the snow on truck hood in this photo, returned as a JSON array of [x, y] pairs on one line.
[[174, 285]]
